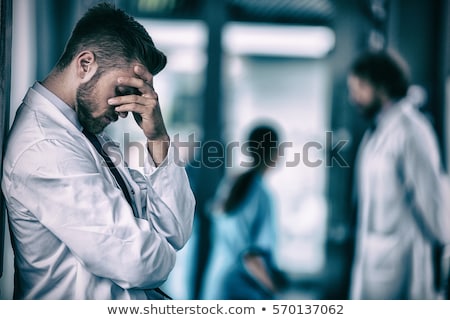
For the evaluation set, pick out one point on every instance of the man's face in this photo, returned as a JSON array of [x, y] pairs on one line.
[[364, 95], [93, 110]]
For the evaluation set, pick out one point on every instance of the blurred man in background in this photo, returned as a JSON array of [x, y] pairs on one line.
[[402, 216]]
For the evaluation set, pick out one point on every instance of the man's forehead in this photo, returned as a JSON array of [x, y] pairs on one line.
[[125, 71]]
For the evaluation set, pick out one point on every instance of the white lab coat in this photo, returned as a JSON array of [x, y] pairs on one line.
[[73, 232], [399, 183]]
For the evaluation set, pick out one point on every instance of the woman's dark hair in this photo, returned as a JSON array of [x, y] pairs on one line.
[[263, 149], [115, 38], [383, 69]]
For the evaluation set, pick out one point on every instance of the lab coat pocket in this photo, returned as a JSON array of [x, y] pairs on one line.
[[386, 267]]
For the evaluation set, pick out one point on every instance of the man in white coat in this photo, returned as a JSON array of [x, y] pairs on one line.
[[399, 186], [84, 226]]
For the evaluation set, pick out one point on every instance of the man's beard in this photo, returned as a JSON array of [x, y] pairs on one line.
[[86, 105]]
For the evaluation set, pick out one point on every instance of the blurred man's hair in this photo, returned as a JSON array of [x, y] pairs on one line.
[[115, 38], [383, 69]]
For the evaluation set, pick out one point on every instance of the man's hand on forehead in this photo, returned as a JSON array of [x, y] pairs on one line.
[[127, 91], [136, 94]]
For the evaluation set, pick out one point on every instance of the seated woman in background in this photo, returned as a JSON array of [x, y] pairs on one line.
[[242, 230]]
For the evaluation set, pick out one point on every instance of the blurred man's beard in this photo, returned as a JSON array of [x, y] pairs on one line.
[[372, 109], [86, 105]]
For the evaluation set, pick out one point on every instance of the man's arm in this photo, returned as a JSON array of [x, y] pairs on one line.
[[170, 202], [83, 209], [167, 199], [425, 181]]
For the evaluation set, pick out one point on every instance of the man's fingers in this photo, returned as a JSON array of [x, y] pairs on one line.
[[132, 82], [144, 74], [144, 99], [143, 86], [134, 107]]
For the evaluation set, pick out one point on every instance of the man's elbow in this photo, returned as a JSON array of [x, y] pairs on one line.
[[186, 226], [150, 274]]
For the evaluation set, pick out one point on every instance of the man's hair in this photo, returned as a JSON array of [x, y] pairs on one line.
[[115, 38], [383, 69]]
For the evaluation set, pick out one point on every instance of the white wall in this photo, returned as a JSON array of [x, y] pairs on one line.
[[23, 70]]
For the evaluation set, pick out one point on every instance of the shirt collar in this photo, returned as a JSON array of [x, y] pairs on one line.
[[383, 116], [65, 109]]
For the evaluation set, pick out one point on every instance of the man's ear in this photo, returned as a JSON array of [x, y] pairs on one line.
[[86, 66]]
